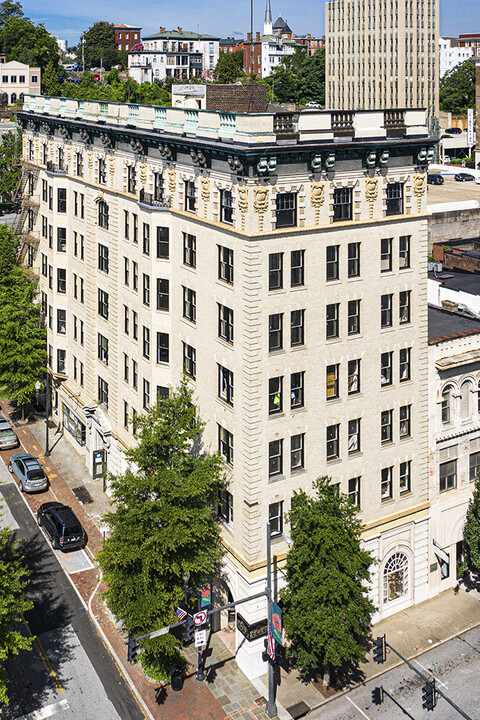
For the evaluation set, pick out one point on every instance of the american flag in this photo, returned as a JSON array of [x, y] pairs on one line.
[[270, 645], [181, 614]]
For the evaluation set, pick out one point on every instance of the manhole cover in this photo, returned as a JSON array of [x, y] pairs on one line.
[[298, 710], [82, 494]]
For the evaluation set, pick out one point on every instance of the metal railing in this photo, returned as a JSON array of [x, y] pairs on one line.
[[160, 202]]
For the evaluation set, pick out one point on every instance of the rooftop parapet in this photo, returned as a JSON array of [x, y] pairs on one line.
[[327, 126]]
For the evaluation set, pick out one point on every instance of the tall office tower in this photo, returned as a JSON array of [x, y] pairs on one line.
[[283, 268], [382, 54]]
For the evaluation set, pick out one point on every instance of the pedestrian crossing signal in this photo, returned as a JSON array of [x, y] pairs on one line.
[[132, 649]]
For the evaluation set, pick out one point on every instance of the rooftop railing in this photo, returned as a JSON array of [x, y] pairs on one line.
[[247, 129]]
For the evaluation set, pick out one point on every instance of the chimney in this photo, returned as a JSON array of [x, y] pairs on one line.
[[289, 36], [180, 30], [162, 30], [257, 37], [249, 37]]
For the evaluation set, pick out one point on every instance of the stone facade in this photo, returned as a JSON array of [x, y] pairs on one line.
[[287, 276]]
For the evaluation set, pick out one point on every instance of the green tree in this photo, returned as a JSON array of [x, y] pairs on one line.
[[9, 8], [50, 84], [32, 44], [311, 78], [22, 337], [100, 48], [284, 84], [327, 614], [457, 88], [13, 603], [10, 152], [164, 525], [471, 531], [227, 69]]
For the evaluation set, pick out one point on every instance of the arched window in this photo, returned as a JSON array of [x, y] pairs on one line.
[[478, 397], [13, 98], [465, 400], [396, 577], [446, 405], [103, 214], [21, 97]]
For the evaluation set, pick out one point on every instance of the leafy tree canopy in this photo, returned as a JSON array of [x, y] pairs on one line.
[[13, 603], [457, 88], [299, 78], [22, 337], [471, 532], [327, 614], [99, 46], [9, 8], [26, 42], [164, 525], [10, 152], [114, 89], [227, 69]]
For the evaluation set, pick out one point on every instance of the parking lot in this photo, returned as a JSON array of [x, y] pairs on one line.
[[451, 190]]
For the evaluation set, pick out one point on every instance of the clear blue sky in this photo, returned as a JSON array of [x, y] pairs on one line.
[[213, 16]]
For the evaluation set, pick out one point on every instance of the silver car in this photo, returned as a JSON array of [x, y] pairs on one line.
[[8, 439], [29, 472]]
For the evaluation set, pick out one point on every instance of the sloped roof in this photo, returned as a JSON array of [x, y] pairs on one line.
[[280, 24]]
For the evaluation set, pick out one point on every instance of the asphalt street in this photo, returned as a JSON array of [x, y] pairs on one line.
[[68, 673], [456, 668]]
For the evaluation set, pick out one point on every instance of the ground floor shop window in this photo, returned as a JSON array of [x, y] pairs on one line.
[[74, 426], [395, 577]]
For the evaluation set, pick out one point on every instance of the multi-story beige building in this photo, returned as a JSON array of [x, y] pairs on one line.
[[382, 54], [284, 268]]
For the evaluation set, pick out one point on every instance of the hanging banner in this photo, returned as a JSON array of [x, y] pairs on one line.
[[470, 133], [206, 595], [277, 623]]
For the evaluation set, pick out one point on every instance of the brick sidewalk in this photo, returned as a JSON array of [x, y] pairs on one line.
[[197, 700]]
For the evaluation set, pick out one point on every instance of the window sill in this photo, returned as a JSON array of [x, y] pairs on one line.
[[224, 342], [278, 351], [276, 478], [225, 403], [277, 291], [334, 460], [276, 414], [405, 493], [387, 500]]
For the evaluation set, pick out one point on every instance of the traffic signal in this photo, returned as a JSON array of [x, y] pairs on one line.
[[379, 650], [132, 649], [190, 629], [377, 695], [429, 695]]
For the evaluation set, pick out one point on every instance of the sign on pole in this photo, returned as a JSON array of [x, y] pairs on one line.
[[470, 133], [206, 595], [270, 645], [200, 618], [277, 623], [200, 638]]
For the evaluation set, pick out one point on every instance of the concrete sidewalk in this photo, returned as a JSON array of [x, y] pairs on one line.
[[226, 692]]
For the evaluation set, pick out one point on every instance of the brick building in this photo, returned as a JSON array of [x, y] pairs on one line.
[[126, 36]]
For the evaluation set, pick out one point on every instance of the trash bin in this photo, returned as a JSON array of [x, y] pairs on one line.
[[177, 678]]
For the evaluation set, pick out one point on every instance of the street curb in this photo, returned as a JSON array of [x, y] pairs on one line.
[[118, 662], [393, 667]]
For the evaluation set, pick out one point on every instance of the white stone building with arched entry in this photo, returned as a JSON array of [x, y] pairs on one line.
[[18, 79], [454, 438]]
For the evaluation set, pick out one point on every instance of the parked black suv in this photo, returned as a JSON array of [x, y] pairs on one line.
[[61, 526], [434, 179]]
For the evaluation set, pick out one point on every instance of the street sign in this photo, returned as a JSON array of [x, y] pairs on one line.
[[277, 623], [200, 618], [200, 638], [162, 631]]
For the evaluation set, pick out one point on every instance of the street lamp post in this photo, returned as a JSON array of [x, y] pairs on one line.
[[271, 708], [47, 412], [83, 53]]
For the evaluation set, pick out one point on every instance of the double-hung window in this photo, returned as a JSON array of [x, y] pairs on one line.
[[332, 262], [163, 347], [275, 458], [333, 372], [353, 259], [297, 268], [353, 377], [102, 171], [386, 254], [405, 477], [333, 442], [297, 386], [103, 303], [225, 264], [275, 332], [353, 320], [275, 395], [103, 349], [226, 206], [275, 518], [225, 444], [404, 252], [189, 250], [386, 426], [386, 315], [386, 374], [225, 384], [286, 208], [394, 198], [163, 294], [225, 323], [131, 179], [386, 490], [354, 491], [342, 204], [404, 307], [297, 452], [275, 271], [225, 506], [163, 245], [190, 361], [297, 328], [190, 195], [404, 362], [189, 304], [405, 427], [332, 321], [354, 436]]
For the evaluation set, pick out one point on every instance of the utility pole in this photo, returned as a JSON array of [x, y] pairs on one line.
[[271, 708], [83, 52]]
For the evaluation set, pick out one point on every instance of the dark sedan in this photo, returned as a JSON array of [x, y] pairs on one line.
[[463, 177], [434, 179]]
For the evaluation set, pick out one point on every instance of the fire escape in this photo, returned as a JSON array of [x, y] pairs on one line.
[[26, 197]]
